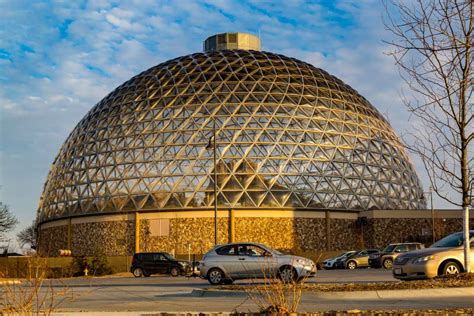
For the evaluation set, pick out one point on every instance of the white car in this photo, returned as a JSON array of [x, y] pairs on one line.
[[330, 263], [229, 262]]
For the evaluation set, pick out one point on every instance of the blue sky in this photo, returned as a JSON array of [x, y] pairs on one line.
[[59, 58]]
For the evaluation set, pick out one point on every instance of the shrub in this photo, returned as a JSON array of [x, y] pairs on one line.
[[99, 264], [77, 265]]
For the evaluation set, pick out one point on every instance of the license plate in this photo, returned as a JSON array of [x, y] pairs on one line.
[[397, 271]]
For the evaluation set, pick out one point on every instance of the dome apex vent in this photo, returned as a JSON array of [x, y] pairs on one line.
[[224, 41]]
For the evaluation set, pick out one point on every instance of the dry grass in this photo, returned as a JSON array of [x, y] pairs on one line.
[[34, 295], [276, 296], [273, 295]]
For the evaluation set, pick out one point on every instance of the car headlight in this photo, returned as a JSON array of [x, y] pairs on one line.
[[423, 259], [303, 262]]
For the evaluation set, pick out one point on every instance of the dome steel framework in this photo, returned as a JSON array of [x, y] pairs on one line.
[[288, 135]]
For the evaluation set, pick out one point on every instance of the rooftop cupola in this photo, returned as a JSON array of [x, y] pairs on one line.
[[231, 41]]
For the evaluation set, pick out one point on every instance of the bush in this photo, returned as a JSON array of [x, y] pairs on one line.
[[99, 264], [77, 265]]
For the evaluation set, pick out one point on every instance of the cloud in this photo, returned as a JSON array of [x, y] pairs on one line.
[[58, 59]]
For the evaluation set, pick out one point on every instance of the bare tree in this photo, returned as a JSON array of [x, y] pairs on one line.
[[28, 236], [433, 48], [7, 220]]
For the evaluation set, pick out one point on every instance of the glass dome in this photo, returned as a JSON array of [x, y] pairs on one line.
[[288, 136]]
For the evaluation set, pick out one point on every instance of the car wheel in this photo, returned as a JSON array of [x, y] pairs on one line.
[[387, 264], [174, 272], [215, 276], [351, 265], [288, 274], [137, 272], [451, 268]]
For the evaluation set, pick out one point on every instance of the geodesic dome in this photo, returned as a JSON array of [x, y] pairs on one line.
[[288, 136]]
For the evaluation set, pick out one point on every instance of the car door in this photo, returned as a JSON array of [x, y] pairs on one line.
[[258, 263], [148, 263], [161, 263], [228, 261], [363, 259]]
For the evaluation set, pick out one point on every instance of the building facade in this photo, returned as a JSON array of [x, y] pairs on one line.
[[286, 153]]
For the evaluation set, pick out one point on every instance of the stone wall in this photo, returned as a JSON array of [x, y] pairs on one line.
[[344, 235], [51, 240], [198, 233], [382, 231], [114, 238], [298, 234], [118, 237]]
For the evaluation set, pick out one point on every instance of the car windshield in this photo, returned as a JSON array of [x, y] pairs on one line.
[[168, 256], [453, 240], [276, 252], [389, 248], [353, 254]]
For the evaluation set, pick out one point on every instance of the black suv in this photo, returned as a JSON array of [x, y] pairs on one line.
[[148, 263]]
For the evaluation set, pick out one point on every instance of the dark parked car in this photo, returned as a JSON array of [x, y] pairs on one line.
[[332, 263], [148, 263], [387, 256]]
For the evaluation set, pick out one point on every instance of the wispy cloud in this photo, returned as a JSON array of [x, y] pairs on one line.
[[59, 58]]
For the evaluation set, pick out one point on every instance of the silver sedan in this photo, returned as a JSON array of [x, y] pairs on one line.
[[226, 263]]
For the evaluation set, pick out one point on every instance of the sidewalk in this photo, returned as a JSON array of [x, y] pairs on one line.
[[218, 302]]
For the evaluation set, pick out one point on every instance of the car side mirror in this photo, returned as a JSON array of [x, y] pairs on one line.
[[267, 254], [398, 250]]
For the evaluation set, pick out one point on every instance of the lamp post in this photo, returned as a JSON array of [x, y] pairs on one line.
[[433, 233], [212, 144]]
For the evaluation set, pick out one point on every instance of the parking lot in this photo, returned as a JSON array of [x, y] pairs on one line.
[[181, 294]]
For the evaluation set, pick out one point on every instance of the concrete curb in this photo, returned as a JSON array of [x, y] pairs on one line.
[[217, 293], [399, 294], [358, 295]]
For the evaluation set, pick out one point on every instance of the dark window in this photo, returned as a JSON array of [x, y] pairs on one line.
[[232, 38], [212, 43], [147, 257], [221, 39], [401, 248], [413, 247], [389, 248], [226, 250], [255, 251], [159, 257]]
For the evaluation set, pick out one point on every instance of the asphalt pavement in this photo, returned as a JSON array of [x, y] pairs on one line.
[[134, 296]]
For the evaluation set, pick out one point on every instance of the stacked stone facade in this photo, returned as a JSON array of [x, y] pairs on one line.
[[196, 234]]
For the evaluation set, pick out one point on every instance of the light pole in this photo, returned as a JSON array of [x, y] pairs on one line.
[[212, 144], [433, 233]]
